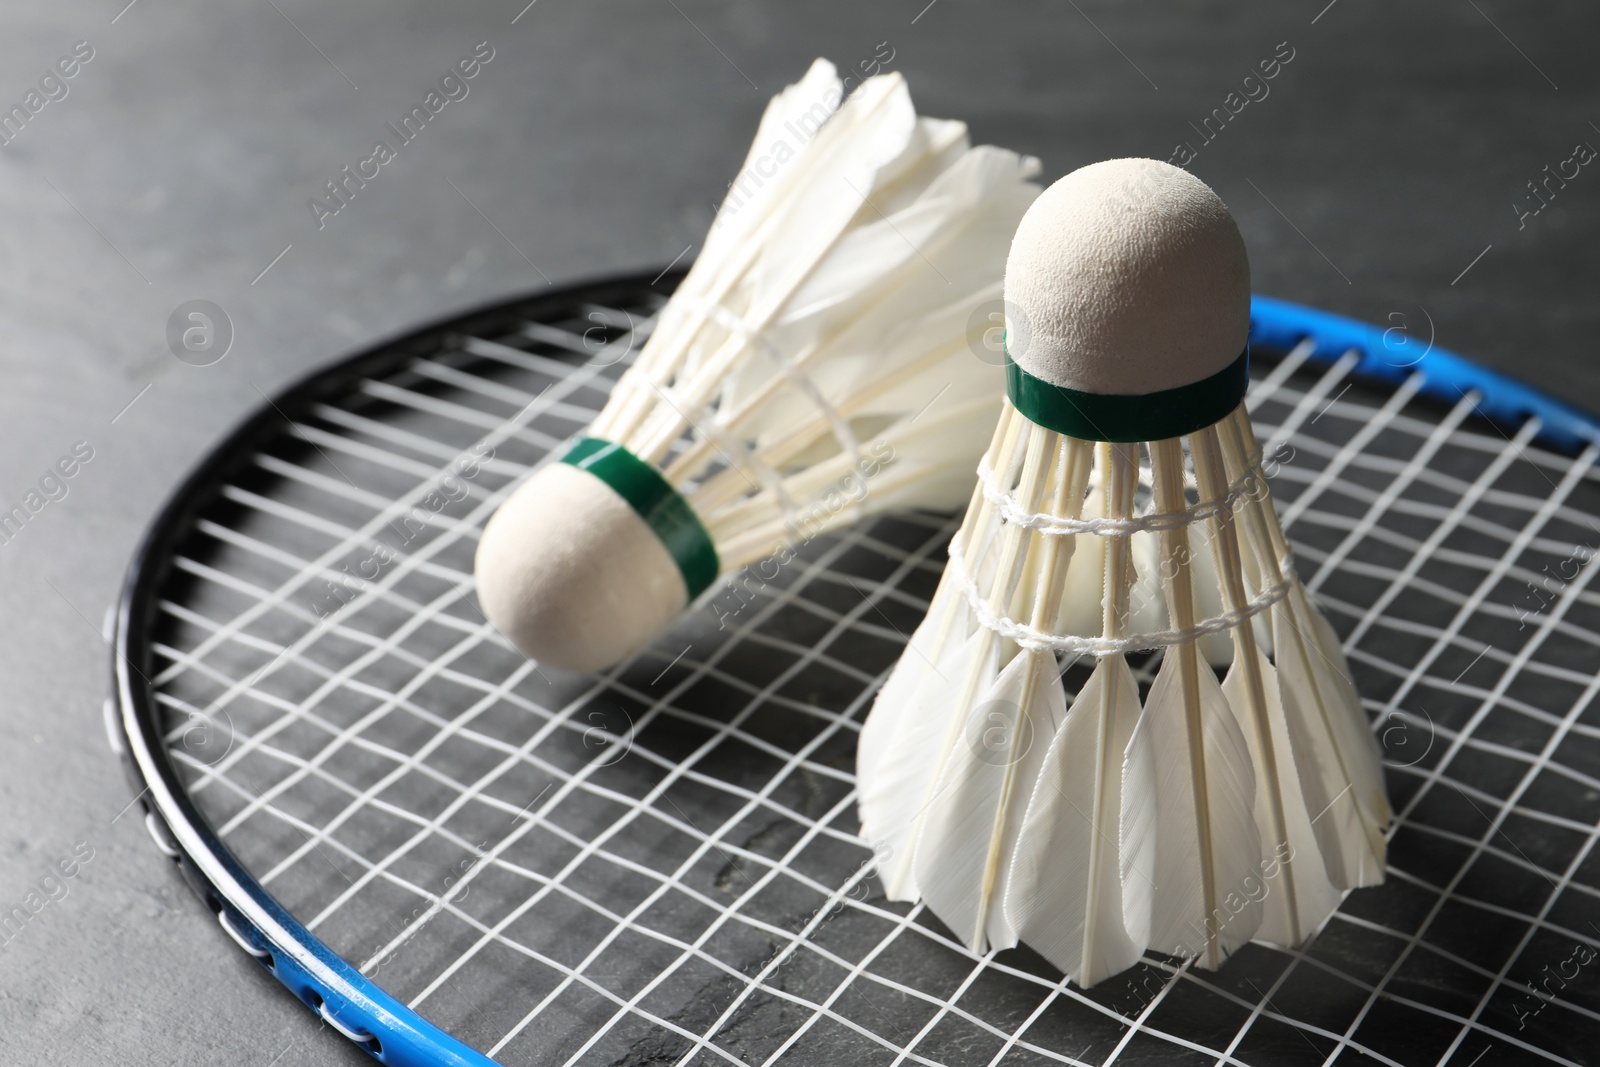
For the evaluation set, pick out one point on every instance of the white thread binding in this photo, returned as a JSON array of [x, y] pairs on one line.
[[1028, 637], [791, 370], [726, 444], [1056, 526]]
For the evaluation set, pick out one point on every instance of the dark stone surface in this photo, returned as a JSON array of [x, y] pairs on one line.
[[1386, 157]]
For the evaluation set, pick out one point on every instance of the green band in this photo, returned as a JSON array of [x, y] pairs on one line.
[[1151, 417], [661, 507]]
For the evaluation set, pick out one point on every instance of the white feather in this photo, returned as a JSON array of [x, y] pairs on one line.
[[891, 292], [1341, 773], [948, 625], [1187, 772], [817, 93], [1334, 672], [969, 831], [896, 791], [1065, 897], [843, 267], [1298, 898]]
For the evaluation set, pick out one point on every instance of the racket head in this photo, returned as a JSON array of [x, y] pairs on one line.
[[687, 834]]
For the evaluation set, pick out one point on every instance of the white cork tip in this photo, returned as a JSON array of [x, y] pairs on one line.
[[571, 574], [1127, 277]]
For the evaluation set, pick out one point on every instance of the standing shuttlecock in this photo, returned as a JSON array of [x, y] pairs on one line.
[[813, 366], [1212, 812]]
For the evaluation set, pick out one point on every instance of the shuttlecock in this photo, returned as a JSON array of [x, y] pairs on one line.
[[813, 366], [1212, 812]]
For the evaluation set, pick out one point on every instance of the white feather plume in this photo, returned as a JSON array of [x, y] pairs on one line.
[[825, 322], [969, 830], [896, 790], [1340, 771], [1297, 895], [1189, 818], [1072, 913], [815, 366], [1191, 824]]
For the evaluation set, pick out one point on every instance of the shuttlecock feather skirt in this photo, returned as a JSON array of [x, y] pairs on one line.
[[1211, 811], [818, 363], [821, 338]]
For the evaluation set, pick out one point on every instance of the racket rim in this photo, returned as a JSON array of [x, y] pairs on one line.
[[355, 1005], [302, 962]]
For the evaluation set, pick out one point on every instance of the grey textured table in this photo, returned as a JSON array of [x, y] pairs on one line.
[[1378, 177]]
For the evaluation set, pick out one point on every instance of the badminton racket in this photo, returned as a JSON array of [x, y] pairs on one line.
[[455, 858]]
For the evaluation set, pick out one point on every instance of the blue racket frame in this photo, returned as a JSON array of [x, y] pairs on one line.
[[1389, 355], [355, 1005]]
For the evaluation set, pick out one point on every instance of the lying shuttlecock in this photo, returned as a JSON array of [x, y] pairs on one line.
[[1219, 811], [820, 341]]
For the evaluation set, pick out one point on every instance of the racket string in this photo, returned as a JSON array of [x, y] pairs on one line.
[[1349, 502]]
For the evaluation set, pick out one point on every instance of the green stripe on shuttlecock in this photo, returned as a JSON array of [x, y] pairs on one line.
[[662, 507], [1147, 417]]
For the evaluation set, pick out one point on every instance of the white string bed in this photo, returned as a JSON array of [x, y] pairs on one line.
[[659, 865]]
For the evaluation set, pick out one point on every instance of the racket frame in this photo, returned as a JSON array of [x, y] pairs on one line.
[[346, 1000], [335, 990]]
